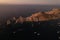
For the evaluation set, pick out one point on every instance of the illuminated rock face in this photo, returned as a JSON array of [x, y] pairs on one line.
[[44, 16], [14, 18], [53, 11], [54, 14], [8, 22], [20, 20], [28, 19], [40, 16]]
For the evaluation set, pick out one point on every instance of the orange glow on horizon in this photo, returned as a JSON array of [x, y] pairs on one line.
[[29, 2]]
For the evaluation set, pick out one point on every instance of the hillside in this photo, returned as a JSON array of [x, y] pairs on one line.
[[41, 16], [38, 16]]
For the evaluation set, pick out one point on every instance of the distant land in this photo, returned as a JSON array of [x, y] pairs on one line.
[[9, 11], [53, 14]]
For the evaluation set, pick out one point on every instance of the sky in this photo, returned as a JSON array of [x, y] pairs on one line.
[[42, 2]]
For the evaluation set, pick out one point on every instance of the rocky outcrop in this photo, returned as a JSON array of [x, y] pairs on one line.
[[20, 19], [45, 16], [40, 16]]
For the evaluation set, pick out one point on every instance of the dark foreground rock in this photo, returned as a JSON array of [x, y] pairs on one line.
[[45, 30]]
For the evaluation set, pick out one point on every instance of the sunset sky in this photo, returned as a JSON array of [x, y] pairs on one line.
[[54, 2]]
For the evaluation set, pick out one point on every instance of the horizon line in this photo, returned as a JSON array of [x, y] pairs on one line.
[[29, 4]]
